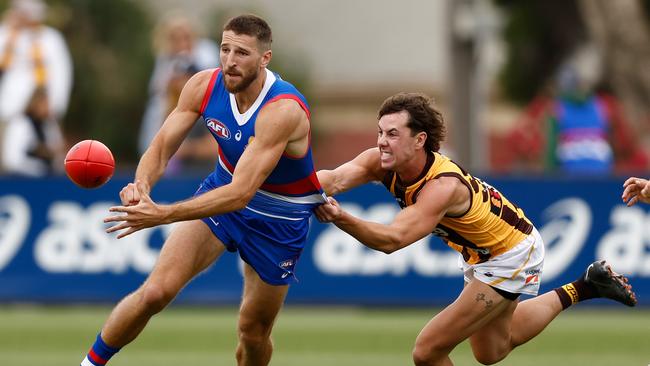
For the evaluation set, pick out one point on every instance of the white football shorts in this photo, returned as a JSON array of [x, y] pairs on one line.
[[517, 271]]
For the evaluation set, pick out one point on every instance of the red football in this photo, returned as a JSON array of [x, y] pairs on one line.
[[89, 164]]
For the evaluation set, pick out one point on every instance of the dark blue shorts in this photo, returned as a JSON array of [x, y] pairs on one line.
[[270, 246]]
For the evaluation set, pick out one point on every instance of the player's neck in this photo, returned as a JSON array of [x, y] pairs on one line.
[[247, 97], [410, 172]]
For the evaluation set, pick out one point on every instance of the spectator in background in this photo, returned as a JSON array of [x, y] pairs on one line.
[[35, 85], [33, 143], [576, 130], [179, 55]]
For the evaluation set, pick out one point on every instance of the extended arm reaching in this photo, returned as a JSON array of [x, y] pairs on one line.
[[358, 171], [279, 124], [440, 196]]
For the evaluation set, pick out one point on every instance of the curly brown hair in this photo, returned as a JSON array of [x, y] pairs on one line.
[[423, 116]]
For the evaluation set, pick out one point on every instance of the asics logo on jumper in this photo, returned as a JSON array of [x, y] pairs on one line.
[[219, 128]]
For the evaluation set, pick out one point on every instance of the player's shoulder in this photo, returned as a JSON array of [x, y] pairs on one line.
[[283, 112], [284, 89], [443, 171], [204, 76], [445, 166], [449, 181], [370, 156], [369, 160], [200, 81], [195, 89], [451, 188], [285, 102]]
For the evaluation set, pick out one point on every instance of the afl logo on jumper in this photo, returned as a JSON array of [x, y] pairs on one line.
[[286, 264], [218, 128]]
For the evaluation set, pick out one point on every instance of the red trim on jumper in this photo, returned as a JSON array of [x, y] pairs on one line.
[[306, 185], [208, 91], [290, 96], [314, 180], [96, 358], [304, 108], [223, 158]]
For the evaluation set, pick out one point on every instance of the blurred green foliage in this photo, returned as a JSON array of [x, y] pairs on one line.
[[111, 50], [539, 34], [110, 45]]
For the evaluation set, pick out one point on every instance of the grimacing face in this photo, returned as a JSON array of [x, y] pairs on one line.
[[241, 60], [396, 144]]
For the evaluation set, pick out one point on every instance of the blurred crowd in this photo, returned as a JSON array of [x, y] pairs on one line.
[[576, 125], [36, 80], [35, 84], [573, 127], [179, 54]]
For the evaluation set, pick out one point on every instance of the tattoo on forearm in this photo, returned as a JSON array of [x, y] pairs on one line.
[[481, 297]]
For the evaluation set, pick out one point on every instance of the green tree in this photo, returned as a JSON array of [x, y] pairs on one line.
[[539, 35]]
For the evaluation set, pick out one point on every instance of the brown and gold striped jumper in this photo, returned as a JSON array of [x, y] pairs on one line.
[[492, 224]]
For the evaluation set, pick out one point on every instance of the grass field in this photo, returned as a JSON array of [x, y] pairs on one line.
[[58, 336]]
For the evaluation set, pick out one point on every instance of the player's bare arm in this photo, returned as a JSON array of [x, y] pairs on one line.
[[358, 171], [636, 190], [172, 133], [281, 126], [445, 195]]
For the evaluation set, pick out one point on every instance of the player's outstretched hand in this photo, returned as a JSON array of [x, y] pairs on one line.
[[329, 211], [146, 213], [636, 190]]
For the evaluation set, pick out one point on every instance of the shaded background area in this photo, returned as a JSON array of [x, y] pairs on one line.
[[482, 61]]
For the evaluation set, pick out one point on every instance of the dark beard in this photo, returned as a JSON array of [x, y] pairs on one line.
[[245, 83]]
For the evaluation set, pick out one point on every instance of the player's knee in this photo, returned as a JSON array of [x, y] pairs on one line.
[[420, 358], [253, 333], [155, 297], [428, 352], [423, 356], [492, 352], [489, 357]]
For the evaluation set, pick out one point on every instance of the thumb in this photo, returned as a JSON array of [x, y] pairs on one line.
[[142, 189], [646, 191]]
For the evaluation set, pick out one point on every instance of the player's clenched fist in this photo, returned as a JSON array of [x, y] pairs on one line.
[[636, 190], [328, 212], [130, 195]]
